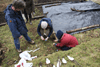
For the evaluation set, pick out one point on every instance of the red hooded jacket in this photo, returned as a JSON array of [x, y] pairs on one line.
[[68, 41]]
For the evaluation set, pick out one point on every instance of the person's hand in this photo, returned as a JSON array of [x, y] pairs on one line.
[[56, 40], [42, 37], [46, 39], [20, 37], [53, 44]]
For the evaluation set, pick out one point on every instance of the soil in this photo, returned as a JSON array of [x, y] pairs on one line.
[[2, 17], [2, 50]]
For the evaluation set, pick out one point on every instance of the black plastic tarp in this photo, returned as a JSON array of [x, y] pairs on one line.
[[63, 18]]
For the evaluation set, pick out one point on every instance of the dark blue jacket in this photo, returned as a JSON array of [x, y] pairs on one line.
[[48, 20], [15, 22]]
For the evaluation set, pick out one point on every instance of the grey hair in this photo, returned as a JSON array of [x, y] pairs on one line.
[[19, 4]]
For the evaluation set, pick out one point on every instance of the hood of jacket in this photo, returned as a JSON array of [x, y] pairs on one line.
[[9, 10]]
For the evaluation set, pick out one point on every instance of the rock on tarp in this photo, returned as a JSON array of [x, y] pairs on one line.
[[63, 18]]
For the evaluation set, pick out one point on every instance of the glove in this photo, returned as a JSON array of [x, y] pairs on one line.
[[46, 39], [42, 37]]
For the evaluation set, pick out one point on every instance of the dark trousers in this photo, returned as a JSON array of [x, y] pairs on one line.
[[17, 42], [26, 15], [65, 48]]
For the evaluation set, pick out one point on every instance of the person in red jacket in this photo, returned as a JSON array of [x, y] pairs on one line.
[[67, 41]]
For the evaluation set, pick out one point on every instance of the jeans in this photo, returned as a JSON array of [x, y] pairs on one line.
[[17, 42], [65, 48], [26, 15]]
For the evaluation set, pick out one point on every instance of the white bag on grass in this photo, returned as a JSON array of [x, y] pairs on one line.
[[26, 56], [22, 63]]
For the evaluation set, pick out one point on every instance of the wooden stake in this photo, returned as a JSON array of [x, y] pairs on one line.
[[40, 16], [2, 24], [73, 9], [53, 5], [55, 36], [84, 28], [37, 17], [39, 4]]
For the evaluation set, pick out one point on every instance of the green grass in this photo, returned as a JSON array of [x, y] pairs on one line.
[[86, 53], [96, 1]]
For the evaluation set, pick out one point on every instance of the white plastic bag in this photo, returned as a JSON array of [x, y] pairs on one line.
[[22, 63]]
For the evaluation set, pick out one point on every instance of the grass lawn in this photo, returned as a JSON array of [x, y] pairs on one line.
[[86, 53]]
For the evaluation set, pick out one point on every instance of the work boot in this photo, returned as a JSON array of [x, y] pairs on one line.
[[32, 42], [19, 50]]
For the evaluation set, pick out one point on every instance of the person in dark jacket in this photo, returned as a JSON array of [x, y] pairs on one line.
[[16, 23], [67, 41], [30, 8], [45, 28]]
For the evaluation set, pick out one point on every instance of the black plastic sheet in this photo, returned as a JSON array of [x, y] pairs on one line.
[[63, 18]]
